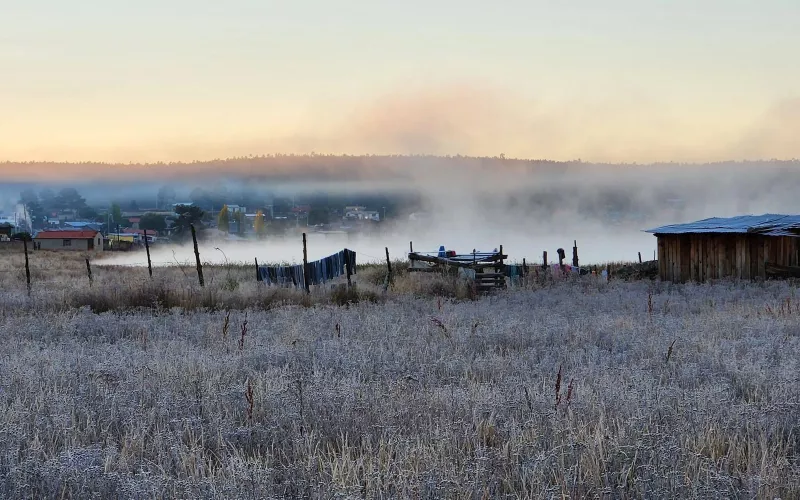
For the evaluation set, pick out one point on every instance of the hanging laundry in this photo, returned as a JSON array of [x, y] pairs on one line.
[[320, 271]]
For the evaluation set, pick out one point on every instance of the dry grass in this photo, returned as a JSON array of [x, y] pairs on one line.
[[575, 388]]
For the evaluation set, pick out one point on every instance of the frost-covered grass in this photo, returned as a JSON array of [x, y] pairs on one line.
[[665, 392]]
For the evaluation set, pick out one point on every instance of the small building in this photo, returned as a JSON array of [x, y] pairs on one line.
[[744, 247], [362, 215], [6, 229], [87, 240]]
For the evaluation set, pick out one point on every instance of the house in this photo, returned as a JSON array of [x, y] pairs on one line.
[[86, 240], [134, 221], [744, 247], [6, 229], [360, 213]]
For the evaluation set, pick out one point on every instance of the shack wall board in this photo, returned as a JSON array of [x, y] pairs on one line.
[[708, 256]]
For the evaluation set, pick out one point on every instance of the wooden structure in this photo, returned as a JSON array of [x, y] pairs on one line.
[[744, 247], [487, 270]]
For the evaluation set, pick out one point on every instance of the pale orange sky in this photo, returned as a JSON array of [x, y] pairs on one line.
[[622, 81]]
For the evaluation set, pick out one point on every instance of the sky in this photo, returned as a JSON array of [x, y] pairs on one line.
[[616, 81]]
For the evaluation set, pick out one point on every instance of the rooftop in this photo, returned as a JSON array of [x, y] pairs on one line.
[[765, 225], [66, 235], [82, 223]]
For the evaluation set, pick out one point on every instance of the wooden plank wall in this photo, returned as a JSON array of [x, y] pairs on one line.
[[704, 257]]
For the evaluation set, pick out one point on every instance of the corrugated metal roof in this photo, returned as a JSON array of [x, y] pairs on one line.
[[81, 224], [766, 224]]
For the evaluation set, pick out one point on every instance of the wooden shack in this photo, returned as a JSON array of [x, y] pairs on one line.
[[744, 247]]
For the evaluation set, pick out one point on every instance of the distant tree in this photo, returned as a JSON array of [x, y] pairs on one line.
[[69, 198], [223, 220], [219, 195], [166, 197], [88, 212], [187, 215], [116, 213], [259, 225], [36, 212], [201, 198], [153, 222], [318, 215], [281, 205], [28, 196], [240, 222], [47, 198]]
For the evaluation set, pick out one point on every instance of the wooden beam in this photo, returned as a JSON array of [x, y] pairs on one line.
[[448, 262]]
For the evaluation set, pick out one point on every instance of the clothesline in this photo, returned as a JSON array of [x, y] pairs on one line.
[[319, 271]]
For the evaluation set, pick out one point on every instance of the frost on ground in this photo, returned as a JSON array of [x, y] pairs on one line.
[[663, 392]]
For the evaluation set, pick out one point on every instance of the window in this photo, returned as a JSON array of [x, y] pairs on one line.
[[67, 243]]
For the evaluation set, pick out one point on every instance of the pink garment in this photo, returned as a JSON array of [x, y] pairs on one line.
[[558, 272]]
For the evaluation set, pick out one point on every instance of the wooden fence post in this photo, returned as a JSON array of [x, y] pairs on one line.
[[27, 266], [544, 259], [348, 268], [410, 247], [389, 265], [89, 271], [305, 265], [640, 257], [524, 267], [575, 253], [258, 274], [197, 257], [147, 249]]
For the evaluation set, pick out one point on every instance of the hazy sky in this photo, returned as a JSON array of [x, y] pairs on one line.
[[618, 80]]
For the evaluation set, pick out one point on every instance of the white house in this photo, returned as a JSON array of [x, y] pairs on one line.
[[359, 214]]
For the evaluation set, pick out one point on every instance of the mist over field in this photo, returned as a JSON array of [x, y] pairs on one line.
[[595, 246], [528, 206]]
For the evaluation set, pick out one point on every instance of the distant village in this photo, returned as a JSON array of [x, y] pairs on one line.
[[65, 221]]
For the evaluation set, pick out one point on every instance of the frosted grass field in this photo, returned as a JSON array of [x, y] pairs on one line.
[[665, 391]]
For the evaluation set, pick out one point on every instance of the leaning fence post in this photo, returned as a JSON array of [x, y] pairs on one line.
[[197, 257], [640, 257], [575, 253], [305, 265], [89, 271], [147, 249], [27, 265], [389, 266], [348, 268]]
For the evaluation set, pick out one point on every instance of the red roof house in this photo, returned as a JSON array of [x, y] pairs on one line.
[[69, 240]]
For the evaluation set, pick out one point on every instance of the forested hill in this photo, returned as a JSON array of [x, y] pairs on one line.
[[345, 167]]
